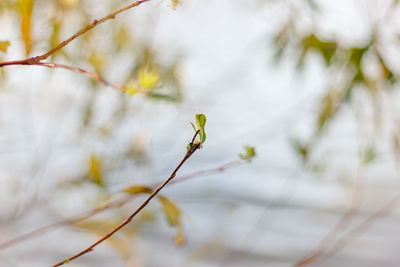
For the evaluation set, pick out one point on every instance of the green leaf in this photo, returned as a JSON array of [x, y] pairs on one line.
[[326, 48], [4, 46], [188, 147], [171, 211], [138, 189], [194, 128], [302, 149], [201, 122], [249, 153], [369, 154]]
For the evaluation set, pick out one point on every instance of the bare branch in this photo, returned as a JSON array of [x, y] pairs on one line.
[[94, 23], [87, 28], [37, 59], [92, 75], [117, 203], [189, 153], [324, 244], [343, 241]]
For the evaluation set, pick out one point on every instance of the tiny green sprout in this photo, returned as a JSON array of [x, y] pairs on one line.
[[188, 147], [201, 136], [249, 153], [201, 122]]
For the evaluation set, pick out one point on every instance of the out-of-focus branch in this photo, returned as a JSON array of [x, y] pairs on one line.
[[88, 27], [193, 147], [92, 75], [325, 243], [37, 59], [113, 204], [343, 241]]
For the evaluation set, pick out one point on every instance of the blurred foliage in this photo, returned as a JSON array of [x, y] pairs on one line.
[[42, 25], [249, 153], [150, 76], [95, 172], [138, 189], [368, 155], [4, 46], [171, 210], [25, 11], [349, 63]]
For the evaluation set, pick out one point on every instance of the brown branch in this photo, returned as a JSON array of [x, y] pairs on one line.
[[44, 229], [193, 147], [343, 241], [209, 171], [37, 59], [117, 203], [94, 23], [93, 75], [87, 28]]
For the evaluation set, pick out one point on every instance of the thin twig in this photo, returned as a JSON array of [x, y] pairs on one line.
[[343, 241], [117, 203], [193, 147], [94, 23], [93, 75], [37, 59], [341, 224], [218, 169]]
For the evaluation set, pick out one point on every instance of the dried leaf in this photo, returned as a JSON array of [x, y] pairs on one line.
[[138, 189], [97, 60], [69, 3], [180, 237], [95, 174], [175, 4], [4, 46], [171, 211], [25, 9]]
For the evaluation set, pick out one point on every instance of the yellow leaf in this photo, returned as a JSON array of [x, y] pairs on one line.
[[171, 211], [55, 38], [180, 237], [101, 227], [97, 59], [95, 174], [4, 46], [131, 89], [175, 4], [148, 78], [69, 3], [25, 9], [138, 189]]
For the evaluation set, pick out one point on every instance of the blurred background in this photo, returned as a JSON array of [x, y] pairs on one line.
[[311, 85]]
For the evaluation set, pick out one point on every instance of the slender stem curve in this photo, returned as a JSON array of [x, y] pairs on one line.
[[193, 147], [116, 203]]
